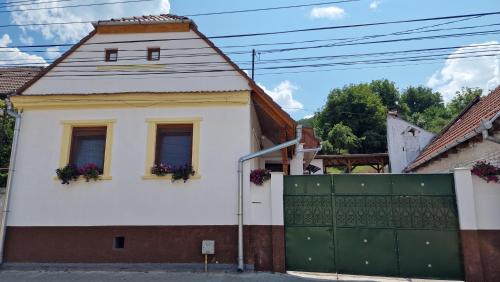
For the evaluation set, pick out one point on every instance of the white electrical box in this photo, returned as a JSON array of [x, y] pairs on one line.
[[208, 247]]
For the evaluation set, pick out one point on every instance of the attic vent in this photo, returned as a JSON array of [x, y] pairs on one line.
[[119, 242]]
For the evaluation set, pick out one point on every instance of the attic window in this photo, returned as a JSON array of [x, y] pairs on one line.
[[153, 54], [111, 55]]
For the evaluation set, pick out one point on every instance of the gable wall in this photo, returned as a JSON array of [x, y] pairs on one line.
[[180, 59]]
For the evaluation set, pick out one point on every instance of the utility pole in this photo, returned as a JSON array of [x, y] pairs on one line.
[[253, 64]]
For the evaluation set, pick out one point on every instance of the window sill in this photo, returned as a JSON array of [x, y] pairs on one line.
[[102, 177], [167, 177]]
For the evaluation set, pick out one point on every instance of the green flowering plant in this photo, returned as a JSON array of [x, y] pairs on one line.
[[90, 171], [68, 173], [178, 172], [486, 171], [259, 176]]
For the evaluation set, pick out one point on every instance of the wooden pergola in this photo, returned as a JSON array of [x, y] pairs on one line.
[[377, 161]]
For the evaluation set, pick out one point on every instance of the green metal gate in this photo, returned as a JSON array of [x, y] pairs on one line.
[[393, 225]]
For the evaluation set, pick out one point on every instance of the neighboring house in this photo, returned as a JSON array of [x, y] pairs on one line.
[[405, 141], [133, 93], [12, 78], [474, 135]]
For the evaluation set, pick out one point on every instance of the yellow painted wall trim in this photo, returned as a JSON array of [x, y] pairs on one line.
[[151, 144], [130, 100], [131, 67], [68, 126]]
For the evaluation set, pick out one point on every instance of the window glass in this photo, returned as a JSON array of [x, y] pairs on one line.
[[88, 146], [112, 55], [154, 54], [174, 144]]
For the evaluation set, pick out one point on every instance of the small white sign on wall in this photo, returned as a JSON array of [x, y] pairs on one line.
[[208, 247]]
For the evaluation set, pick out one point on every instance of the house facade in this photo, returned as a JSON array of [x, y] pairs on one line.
[[474, 135], [405, 141], [135, 93]]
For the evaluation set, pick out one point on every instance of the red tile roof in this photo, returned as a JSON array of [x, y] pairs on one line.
[[12, 79], [461, 128], [149, 19]]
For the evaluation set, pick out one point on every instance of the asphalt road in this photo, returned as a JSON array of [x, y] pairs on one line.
[[153, 276]]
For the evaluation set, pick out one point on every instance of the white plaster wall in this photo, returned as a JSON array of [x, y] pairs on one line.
[[318, 163], [487, 202], [69, 76], [267, 201], [465, 157], [396, 141], [39, 200]]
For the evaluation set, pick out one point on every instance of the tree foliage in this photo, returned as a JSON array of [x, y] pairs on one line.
[[358, 107], [353, 118], [6, 133]]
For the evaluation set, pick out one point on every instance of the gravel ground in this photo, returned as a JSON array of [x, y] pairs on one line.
[[150, 276]]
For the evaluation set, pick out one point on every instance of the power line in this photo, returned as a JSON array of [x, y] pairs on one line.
[[75, 6], [269, 9], [270, 43], [365, 62], [190, 15], [275, 32]]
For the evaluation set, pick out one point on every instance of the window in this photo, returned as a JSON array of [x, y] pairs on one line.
[[88, 145], [153, 54], [174, 144], [87, 141], [111, 55], [119, 242]]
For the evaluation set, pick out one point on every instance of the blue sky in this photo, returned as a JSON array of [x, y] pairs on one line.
[[299, 93]]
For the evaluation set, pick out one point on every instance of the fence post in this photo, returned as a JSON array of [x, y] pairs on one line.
[[466, 205], [277, 222]]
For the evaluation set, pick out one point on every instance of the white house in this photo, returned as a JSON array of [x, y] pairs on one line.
[[134, 93], [405, 141]]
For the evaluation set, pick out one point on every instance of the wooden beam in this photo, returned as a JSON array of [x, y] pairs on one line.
[[284, 159]]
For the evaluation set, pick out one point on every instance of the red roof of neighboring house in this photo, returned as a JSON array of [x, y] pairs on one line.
[[12, 78], [150, 19], [462, 128]]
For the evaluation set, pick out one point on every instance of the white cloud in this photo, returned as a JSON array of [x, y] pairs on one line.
[[374, 4], [53, 52], [10, 56], [25, 39], [331, 13], [482, 72], [308, 116], [283, 95], [74, 32]]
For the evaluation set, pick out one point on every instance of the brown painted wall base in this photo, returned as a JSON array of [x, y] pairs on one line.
[[264, 245], [481, 250]]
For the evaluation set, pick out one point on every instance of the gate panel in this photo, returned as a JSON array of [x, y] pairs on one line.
[[362, 184], [429, 254], [310, 249], [366, 251], [309, 185]]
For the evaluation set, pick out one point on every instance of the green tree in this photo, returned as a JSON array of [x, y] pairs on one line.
[[387, 92], [307, 121], [6, 133], [358, 107], [341, 140], [420, 98], [462, 99]]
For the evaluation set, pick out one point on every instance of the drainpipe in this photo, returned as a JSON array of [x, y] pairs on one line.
[[10, 177], [486, 125], [241, 264]]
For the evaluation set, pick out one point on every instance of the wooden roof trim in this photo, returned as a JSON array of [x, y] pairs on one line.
[[274, 107], [55, 63]]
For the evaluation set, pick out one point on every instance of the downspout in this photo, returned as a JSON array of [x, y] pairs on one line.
[[10, 177], [486, 125], [241, 264]]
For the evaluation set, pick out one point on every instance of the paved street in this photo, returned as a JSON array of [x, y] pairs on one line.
[[153, 276]]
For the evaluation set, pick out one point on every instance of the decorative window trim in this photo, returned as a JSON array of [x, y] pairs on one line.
[[151, 144], [68, 126]]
